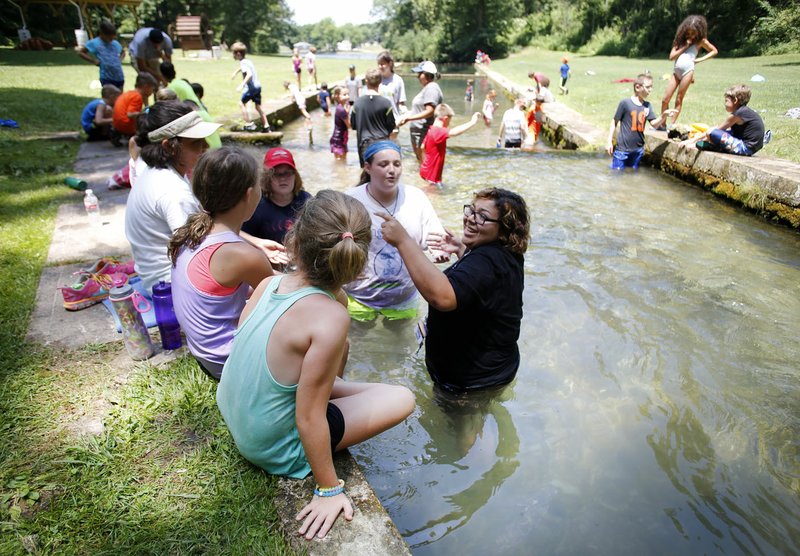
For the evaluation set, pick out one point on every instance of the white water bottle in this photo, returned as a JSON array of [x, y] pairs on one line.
[[92, 206]]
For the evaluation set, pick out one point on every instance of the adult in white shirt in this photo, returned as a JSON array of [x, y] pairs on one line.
[[172, 138]]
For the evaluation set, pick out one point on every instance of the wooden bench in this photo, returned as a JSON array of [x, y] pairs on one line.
[[192, 33]]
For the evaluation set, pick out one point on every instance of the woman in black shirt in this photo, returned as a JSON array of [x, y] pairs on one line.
[[475, 306]]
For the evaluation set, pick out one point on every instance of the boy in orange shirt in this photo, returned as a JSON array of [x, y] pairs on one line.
[[129, 107]]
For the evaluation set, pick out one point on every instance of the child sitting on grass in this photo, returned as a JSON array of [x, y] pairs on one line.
[[741, 133], [435, 142], [632, 116], [97, 115], [281, 393], [214, 269]]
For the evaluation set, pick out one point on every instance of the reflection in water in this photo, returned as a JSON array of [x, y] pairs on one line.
[[657, 406], [471, 450]]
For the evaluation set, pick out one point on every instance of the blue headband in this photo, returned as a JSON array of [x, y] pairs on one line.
[[379, 146]]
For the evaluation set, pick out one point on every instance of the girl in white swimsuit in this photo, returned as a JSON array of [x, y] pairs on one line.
[[692, 35]]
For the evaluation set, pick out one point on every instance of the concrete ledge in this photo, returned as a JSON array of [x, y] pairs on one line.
[[370, 532], [252, 137], [766, 185]]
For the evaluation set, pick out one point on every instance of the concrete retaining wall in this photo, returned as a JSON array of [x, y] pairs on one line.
[[766, 185]]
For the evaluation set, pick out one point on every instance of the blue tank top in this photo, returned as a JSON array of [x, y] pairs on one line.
[[259, 411]]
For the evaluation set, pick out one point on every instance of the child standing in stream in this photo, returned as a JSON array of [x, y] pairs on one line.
[[632, 116]]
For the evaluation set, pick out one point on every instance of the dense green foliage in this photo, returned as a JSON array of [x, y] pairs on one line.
[[452, 30]]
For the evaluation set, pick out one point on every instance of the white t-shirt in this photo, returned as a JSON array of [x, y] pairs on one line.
[[386, 282], [394, 89], [247, 67], [299, 99], [310, 61], [159, 204], [353, 85], [513, 122]]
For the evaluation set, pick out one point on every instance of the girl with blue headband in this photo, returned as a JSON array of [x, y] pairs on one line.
[[385, 286]]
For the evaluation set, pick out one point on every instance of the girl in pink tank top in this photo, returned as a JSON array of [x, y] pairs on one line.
[[215, 270]]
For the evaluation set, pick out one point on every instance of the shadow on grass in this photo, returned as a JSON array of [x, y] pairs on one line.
[[53, 111], [776, 64], [43, 58]]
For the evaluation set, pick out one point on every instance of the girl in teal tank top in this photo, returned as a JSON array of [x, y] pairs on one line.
[[281, 392]]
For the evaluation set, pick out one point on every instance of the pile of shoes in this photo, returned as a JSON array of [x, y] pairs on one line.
[[94, 282]]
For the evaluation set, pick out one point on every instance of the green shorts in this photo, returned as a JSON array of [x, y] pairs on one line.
[[362, 313]]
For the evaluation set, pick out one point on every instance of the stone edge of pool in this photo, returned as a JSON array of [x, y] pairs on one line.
[[768, 186]]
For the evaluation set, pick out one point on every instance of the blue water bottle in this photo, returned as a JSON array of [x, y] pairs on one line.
[[165, 316]]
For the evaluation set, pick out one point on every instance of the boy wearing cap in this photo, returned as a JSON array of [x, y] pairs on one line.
[[353, 85], [435, 143], [282, 197], [250, 81], [423, 106]]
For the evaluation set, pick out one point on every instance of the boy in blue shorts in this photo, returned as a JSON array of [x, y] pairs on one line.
[[632, 116], [251, 83], [741, 133]]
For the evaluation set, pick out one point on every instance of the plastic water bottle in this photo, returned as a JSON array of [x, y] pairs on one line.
[[165, 316], [92, 206], [129, 305]]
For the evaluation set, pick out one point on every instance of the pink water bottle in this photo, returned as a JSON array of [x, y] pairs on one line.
[[129, 306]]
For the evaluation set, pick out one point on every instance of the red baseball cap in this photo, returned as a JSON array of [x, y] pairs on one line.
[[277, 156]]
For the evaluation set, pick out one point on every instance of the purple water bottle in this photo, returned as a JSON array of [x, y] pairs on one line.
[[165, 316], [129, 304]]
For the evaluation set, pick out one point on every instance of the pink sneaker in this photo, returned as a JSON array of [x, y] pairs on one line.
[[90, 289], [110, 265]]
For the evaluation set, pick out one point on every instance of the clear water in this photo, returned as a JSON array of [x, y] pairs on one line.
[[657, 407]]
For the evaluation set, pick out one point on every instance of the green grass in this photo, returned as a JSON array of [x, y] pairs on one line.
[[596, 97], [58, 83]]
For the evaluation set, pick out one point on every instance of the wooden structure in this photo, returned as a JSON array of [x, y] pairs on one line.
[[192, 32], [108, 7]]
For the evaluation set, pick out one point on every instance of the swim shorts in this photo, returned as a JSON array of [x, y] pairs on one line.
[[363, 313], [252, 93], [335, 424], [631, 159]]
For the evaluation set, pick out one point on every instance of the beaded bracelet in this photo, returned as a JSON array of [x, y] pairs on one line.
[[329, 491]]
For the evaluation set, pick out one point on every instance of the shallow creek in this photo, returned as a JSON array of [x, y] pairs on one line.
[[657, 407]]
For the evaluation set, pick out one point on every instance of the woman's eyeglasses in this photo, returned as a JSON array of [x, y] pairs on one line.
[[480, 218]]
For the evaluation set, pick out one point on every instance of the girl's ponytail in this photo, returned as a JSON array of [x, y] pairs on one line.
[[190, 235]]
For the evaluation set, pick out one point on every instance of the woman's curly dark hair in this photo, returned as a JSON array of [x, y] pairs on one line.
[[514, 222]]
